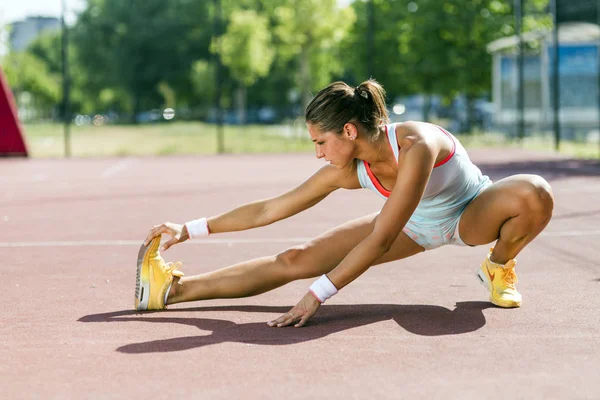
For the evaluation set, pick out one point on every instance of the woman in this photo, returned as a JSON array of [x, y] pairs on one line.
[[434, 196]]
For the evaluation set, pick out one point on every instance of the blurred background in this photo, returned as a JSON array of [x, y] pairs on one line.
[[153, 77]]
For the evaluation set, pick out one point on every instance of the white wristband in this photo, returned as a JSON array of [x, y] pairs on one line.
[[323, 289], [197, 228]]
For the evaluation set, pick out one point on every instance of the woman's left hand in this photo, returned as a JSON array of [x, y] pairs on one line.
[[306, 308], [178, 233]]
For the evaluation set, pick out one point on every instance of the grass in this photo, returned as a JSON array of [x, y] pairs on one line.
[[537, 142], [47, 140]]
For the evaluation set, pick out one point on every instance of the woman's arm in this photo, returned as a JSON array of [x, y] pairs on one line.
[[263, 212], [415, 163]]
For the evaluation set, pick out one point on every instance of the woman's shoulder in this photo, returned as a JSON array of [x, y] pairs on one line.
[[410, 132], [408, 128], [427, 135], [345, 178]]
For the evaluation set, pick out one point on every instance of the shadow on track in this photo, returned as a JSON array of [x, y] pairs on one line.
[[424, 320], [580, 214], [549, 169]]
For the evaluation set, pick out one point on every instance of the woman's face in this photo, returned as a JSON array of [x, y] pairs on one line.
[[336, 149]]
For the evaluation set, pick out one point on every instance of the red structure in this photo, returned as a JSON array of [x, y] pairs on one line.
[[11, 134]]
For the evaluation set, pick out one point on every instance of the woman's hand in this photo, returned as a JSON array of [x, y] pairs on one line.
[[306, 308], [177, 232]]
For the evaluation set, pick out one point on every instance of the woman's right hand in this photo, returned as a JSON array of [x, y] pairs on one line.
[[177, 232]]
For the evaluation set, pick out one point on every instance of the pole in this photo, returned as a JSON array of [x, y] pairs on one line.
[[371, 37], [218, 77], [598, 70], [65, 81], [555, 75], [521, 70]]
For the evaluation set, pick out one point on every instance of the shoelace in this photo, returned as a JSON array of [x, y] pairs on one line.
[[173, 266], [509, 277]]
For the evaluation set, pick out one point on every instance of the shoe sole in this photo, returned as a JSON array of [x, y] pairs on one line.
[[483, 278], [142, 281]]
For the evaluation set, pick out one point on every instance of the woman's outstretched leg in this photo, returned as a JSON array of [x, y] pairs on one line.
[[317, 257]]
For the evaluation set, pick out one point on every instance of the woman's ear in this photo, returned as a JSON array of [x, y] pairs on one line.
[[350, 131]]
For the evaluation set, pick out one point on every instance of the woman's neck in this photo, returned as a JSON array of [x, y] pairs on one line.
[[376, 151]]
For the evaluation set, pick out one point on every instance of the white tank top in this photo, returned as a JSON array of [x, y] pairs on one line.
[[447, 178]]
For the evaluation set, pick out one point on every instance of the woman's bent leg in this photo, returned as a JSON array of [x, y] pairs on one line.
[[317, 257], [513, 211]]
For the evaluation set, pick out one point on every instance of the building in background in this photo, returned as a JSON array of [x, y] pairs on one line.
[[579, 66], [22, 33]]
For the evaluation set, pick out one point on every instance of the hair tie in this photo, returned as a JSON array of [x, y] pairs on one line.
[[362, 94]]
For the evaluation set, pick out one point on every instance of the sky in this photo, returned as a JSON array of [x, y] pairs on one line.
[[14, 10]]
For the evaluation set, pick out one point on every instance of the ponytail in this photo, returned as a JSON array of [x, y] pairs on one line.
[[339, 103]]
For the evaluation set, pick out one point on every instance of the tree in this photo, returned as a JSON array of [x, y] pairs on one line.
[[432, 47], [435, 58], [311, 32], [246, 50], [475, 23], [389, 48], [31, 81], [137, 45]]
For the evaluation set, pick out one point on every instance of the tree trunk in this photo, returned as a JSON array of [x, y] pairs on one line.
[[305, 76], [240, 98], [426, 107], [470, 114], [137, 105]]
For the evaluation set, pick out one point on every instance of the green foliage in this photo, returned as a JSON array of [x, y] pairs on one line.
[[47, 48], [246, 47], [28, 74], [136, 45], [433, 46], [203, 81], [390, 46], [311, 31], [137, 55]]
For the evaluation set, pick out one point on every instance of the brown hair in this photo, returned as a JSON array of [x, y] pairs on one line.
[[340, 103]]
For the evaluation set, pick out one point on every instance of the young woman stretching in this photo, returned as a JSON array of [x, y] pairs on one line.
[[435, 196]]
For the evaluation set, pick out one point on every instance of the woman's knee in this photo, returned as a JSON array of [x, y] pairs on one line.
[[536, 198], [294, 262]]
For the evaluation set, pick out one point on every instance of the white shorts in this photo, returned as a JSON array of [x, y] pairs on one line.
[[435, 222]]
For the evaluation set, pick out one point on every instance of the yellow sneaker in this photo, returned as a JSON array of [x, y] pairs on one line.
[[154, 278], [500, 281]]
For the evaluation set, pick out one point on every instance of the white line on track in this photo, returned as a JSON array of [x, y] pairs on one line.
[[229, 242], [82, 243], [116, 168], [571, 233]]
